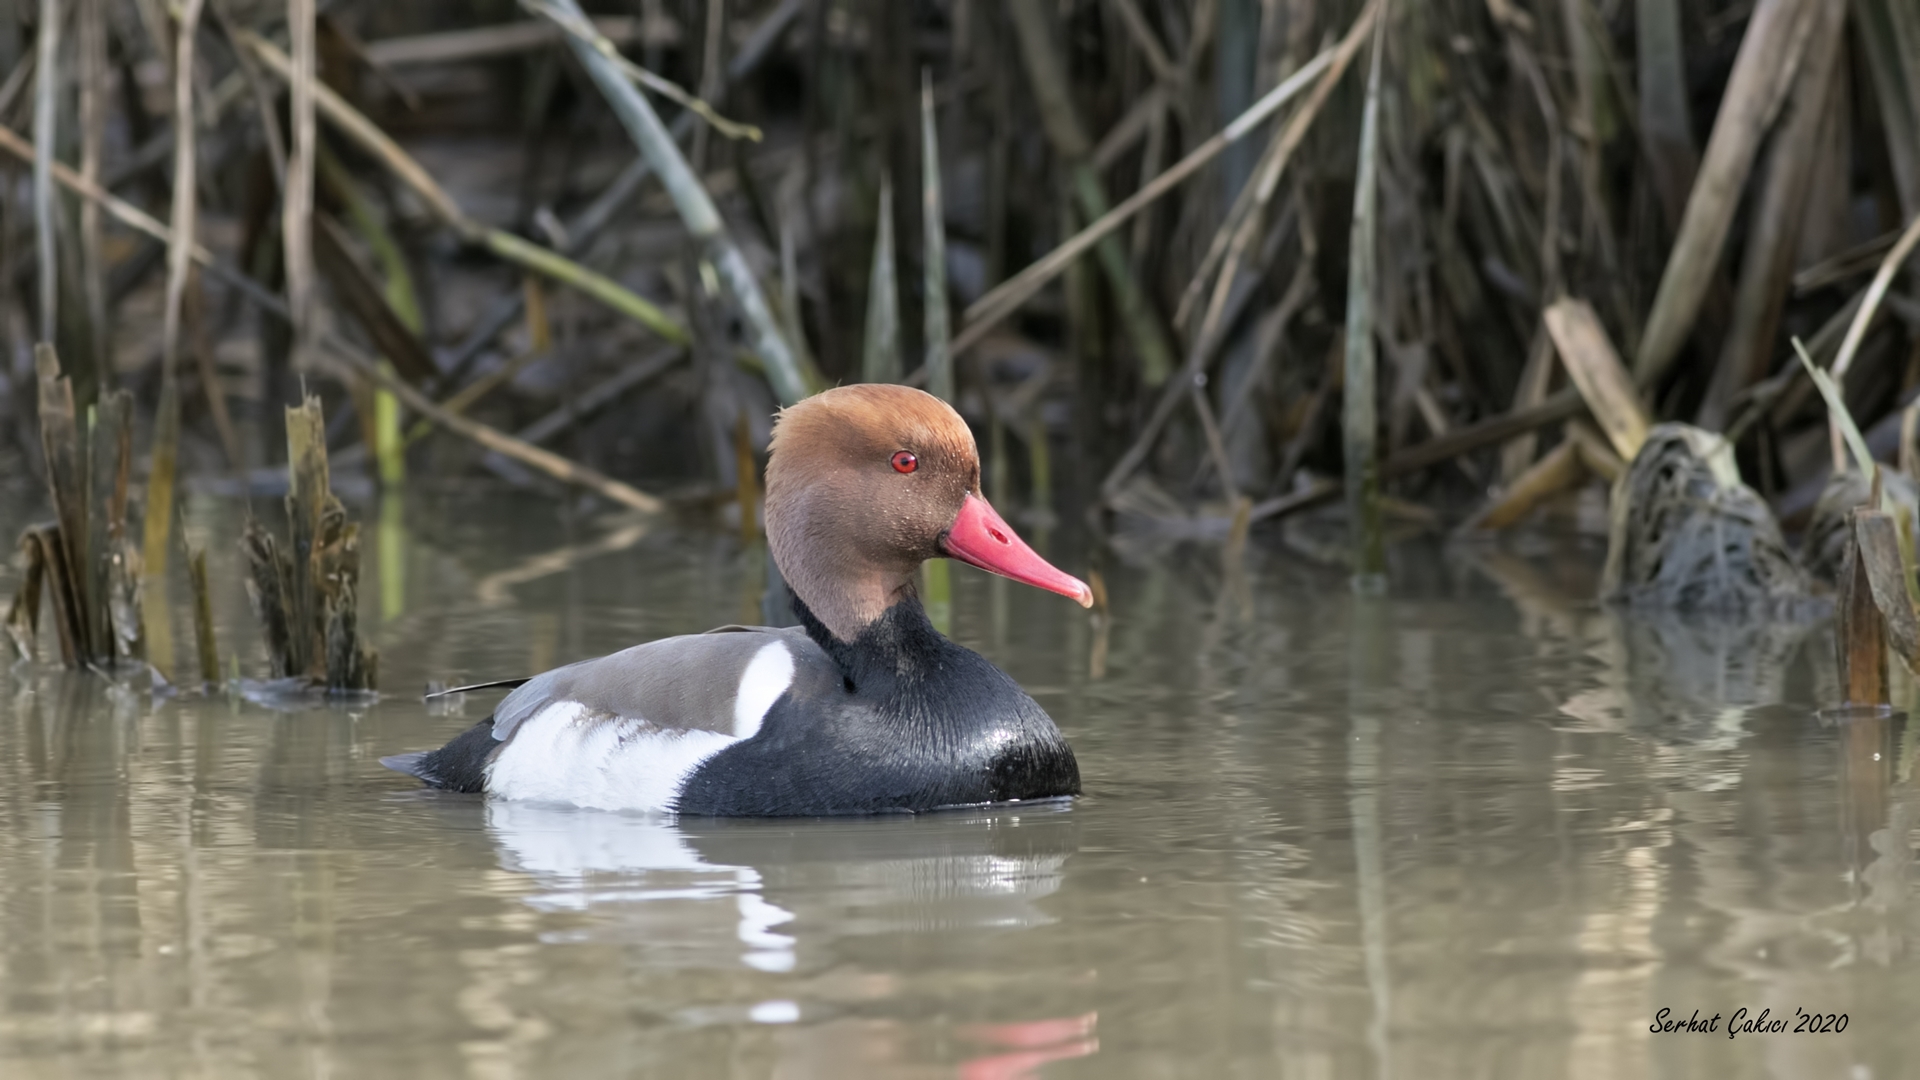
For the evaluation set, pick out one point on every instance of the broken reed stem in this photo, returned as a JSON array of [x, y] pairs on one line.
[[1360, 422], [697, 211]]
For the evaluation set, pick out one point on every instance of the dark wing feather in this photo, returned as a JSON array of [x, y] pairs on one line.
[[494, 685]]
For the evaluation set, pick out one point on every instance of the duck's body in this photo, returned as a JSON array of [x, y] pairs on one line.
[[761, 721], [864, 708]]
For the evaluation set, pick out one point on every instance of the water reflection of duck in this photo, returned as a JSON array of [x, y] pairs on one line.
[[864, 708], [670, 883]]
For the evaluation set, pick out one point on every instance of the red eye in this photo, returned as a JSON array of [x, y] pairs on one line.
[[904, 461]]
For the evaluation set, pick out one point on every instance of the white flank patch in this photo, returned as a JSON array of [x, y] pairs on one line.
[[767, 677], [566, 754]]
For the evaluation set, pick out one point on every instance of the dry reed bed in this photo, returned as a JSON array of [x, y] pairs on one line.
[[1194, 262]]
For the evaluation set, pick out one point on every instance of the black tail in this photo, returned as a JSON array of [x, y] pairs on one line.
[[461, 765]]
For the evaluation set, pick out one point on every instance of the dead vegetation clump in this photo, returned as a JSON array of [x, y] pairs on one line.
[[1688, 536]]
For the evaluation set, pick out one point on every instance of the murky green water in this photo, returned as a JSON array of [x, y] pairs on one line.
[[1480, 829]]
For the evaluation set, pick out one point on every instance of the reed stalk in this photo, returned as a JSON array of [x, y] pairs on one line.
[[93, 88], [1359, 421], [933, 214], [181, 226], [46, 93], [296, 193], [880, 349]]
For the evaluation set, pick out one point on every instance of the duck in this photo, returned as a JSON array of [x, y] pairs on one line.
[[863, 708]]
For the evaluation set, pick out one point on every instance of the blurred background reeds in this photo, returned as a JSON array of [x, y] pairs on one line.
[[1184, 264]]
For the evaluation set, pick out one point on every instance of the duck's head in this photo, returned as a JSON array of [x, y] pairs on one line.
[[865, 483]]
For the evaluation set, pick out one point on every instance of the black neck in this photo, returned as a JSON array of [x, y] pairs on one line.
[[901, 644]]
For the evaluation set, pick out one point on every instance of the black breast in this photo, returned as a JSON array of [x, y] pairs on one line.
[[916, 723]]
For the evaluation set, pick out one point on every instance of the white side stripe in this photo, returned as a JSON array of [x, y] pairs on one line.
[[566, 754], [767, 677]]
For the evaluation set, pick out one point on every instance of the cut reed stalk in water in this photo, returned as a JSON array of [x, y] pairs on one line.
[[203, 635], [66, 483], [83, 562], [1860, 644], [305, 592]]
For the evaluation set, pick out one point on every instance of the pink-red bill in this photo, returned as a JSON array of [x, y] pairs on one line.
[[980, 537]]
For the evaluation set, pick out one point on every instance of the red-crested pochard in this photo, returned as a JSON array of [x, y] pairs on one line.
[[863, 708]]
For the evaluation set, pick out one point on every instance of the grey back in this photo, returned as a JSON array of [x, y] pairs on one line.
[[687, 682]]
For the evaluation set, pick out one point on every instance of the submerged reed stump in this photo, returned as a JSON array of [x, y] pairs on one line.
[[84, 561], [305, 593]]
